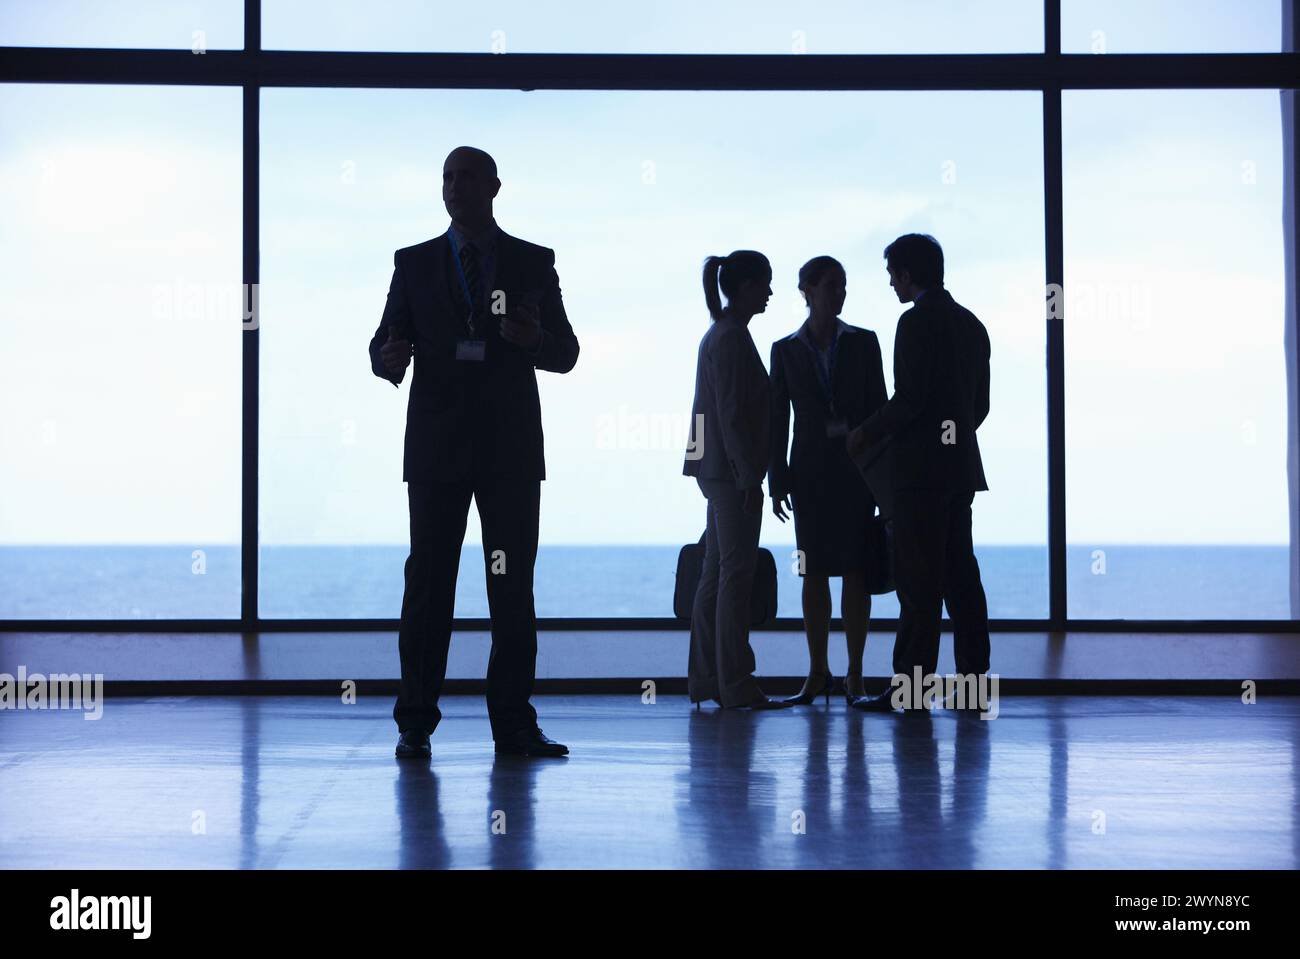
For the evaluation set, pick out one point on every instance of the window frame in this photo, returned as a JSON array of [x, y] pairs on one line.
[[1049, 73]]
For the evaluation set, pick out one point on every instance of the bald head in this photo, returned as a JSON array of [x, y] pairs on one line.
[[469, 184], [480, 160]]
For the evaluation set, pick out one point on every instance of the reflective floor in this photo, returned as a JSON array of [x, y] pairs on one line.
[[267, 782]]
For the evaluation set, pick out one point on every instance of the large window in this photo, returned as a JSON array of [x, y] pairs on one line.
[[1142, 457], [194, 25], [119, 279], [657, 26], [1175, 369], [1171, 26], [633, 190]]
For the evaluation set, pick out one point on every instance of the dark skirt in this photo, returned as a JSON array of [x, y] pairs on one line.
[[832, 511]]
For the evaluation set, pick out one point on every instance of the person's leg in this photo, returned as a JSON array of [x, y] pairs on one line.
[[810, 540], [438, 516], [816, 626], [964, 592], [855, 609], [737, 533], [920, 525], [508, 510], [701, 668]]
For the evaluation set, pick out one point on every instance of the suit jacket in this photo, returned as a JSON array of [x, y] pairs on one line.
[[730, 431], [468, 419], [941, 396], [857, 384]]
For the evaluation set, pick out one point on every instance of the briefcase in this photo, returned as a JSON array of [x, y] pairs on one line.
[[762, 597], [880, 556]]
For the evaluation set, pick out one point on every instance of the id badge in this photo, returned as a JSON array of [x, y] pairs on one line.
[[471, 350], [836, 428]]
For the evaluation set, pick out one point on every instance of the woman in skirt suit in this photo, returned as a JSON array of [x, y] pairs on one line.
[[832, 375]]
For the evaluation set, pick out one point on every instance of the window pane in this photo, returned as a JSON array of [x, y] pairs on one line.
[[121, 361], [152, 24], [632, 190], [661, 26], [1176, 377], [1171, 26]]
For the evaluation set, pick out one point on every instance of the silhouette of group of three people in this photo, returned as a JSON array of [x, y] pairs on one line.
[[832, 375]]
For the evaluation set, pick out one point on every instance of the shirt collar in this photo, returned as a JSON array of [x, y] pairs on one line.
[[487, 246], [805, 333]]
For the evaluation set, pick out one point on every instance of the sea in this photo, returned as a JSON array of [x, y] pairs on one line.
[[365, 582]]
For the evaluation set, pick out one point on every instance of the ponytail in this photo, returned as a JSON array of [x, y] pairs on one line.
[[712, 265], [728, 272]]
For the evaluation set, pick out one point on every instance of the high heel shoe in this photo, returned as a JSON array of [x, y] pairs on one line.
[[806, 699], [848, 696]]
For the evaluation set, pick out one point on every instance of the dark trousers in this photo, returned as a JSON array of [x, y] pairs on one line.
[[508, 511], [934, 563]]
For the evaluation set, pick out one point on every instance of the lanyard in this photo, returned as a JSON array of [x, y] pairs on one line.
[[826, 377]]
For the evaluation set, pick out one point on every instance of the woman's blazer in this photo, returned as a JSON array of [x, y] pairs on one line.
[[729, 430], [858, 385]]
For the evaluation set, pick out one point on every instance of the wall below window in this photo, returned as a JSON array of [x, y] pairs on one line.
[[1074, 660]]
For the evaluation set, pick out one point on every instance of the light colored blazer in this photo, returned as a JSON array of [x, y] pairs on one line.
[[730, 433]]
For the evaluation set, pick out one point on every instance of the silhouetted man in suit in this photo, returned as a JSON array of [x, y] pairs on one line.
[[480, 311], [941, 396]]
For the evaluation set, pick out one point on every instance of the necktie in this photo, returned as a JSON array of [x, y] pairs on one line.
[[469, 263]]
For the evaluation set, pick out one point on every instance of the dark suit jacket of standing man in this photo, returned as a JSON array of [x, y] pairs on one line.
[[472, 428], [466, 419], [941, 393], [941, 374]]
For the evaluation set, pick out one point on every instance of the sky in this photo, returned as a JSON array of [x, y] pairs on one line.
[[122, 249]]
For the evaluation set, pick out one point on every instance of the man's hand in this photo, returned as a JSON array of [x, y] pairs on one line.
[[396, 353], [522, 326], [782, 501], [855, 442], [754, 500]]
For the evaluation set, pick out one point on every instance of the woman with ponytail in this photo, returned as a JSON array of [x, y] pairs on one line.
[[832, 374], [728, 454]]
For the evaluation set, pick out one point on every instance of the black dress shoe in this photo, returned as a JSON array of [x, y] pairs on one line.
[[413, 743], [881, 703], [761, 702], [530, 742]]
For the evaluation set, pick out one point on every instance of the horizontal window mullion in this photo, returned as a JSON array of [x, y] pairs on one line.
[[564, 71]]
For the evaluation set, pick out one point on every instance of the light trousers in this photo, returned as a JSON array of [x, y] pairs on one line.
[[722, 662]]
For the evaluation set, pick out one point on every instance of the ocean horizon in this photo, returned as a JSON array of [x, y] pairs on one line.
[[365, 582]]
